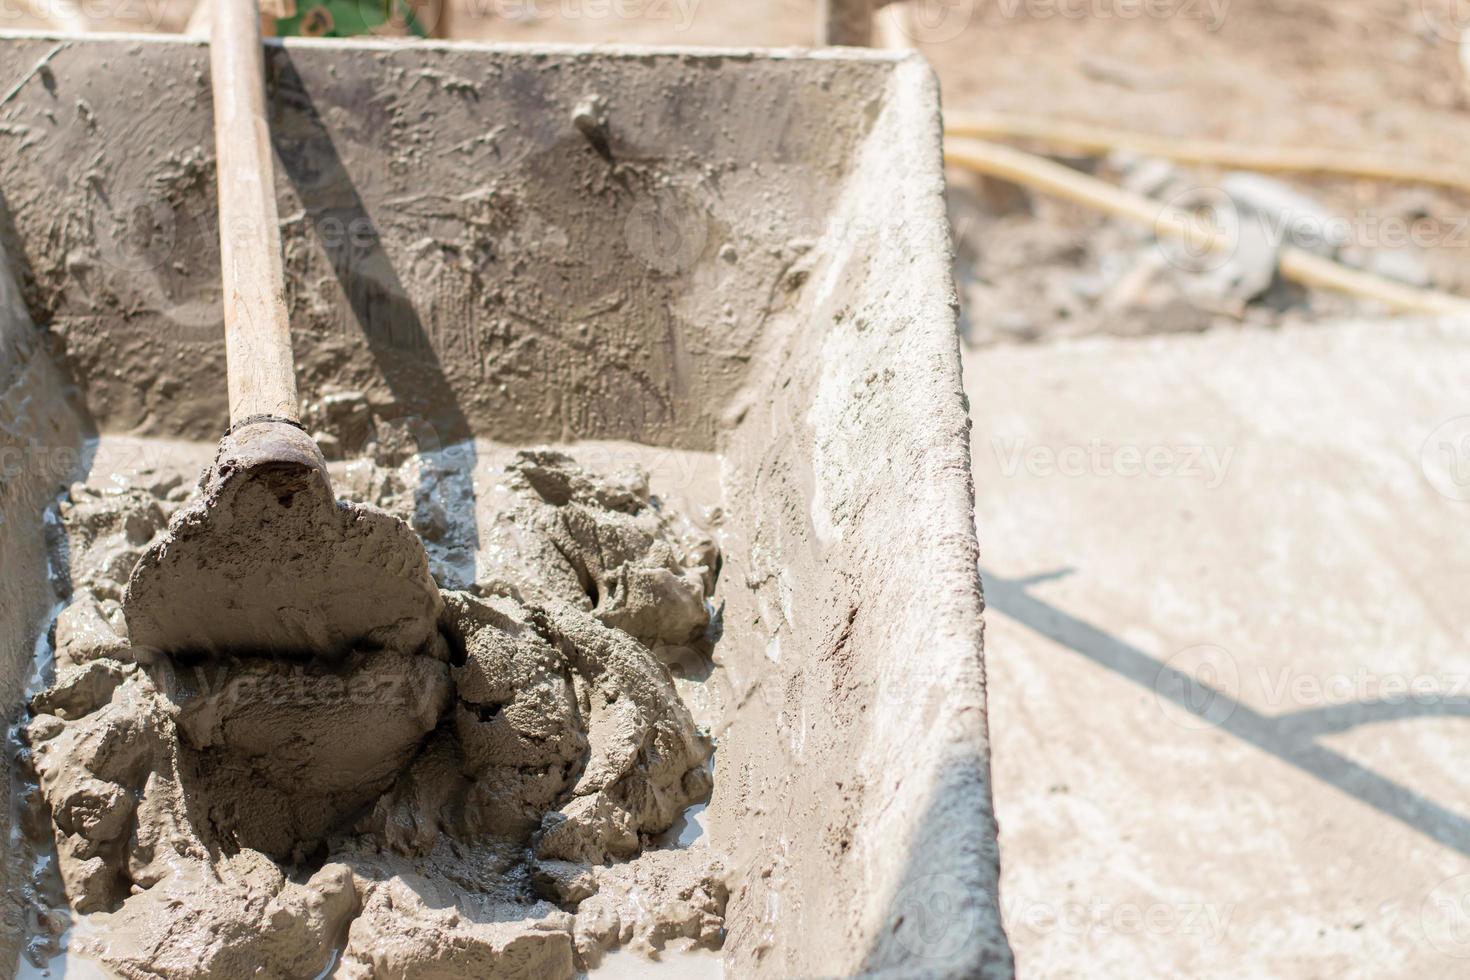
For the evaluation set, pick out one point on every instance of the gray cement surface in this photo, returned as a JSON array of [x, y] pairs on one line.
[[1226, 650]]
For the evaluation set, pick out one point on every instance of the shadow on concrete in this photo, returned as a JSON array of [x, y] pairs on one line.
[[389, 324], [1288, 737], [944, 920]]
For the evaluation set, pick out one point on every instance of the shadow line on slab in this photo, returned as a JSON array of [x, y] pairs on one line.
[[944, 919], [1288, 737]]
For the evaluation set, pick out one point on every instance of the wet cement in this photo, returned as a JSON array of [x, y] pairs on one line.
[[514, 798], [266, 559]]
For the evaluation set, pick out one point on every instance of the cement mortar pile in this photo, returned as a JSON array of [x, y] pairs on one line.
[[484, 806]]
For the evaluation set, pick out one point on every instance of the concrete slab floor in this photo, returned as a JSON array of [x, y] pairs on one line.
[[1227, 630]]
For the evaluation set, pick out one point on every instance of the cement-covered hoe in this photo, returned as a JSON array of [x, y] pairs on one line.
[[266, 560]]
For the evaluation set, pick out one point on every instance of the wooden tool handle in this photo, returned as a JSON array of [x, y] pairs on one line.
[[845, 22], [262, 378]]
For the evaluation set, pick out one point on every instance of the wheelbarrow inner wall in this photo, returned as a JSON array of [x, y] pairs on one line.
[[736, 251]]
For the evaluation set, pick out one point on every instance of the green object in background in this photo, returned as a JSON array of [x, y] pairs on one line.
[[350, 18]]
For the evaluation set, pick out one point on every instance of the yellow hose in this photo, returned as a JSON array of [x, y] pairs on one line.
[[1102, 139], [1298, 265]]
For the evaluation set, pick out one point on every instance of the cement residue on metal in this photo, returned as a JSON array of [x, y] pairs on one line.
[[491, 804], [762, 269]]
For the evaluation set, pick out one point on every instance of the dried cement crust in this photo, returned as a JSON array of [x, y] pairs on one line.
[[442, 812]]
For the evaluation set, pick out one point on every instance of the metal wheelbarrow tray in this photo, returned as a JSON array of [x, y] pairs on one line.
[[743, 252]]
